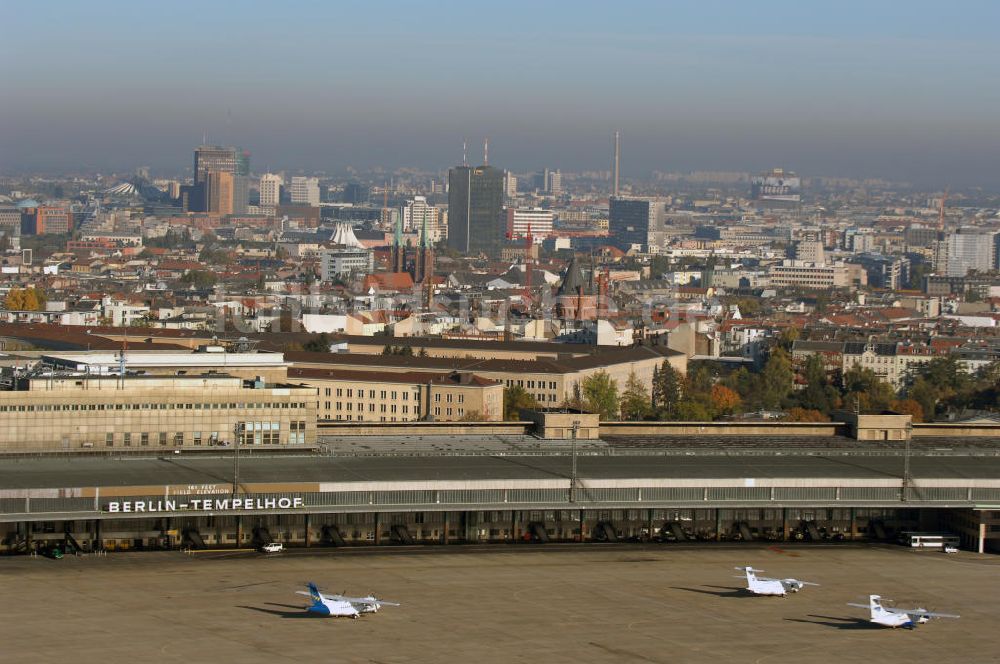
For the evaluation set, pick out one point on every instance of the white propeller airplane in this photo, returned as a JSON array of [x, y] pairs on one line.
[[893, 617], [337, 606], [760, 585]]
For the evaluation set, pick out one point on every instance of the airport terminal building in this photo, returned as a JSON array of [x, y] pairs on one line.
[[560, 477]]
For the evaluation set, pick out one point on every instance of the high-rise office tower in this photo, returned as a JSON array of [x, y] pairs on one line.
[[553, 182], [242, 162], [305, 191], [356, 193], [241, 194], [964, 250], [270, 191], [219, 189], [475, 201], [509, 185], [213, 158], [615, 162], [417, 214], [636, 222]]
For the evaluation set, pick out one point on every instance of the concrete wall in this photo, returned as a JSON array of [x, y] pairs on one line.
[[722, 428], [958, 430], [423, 428]]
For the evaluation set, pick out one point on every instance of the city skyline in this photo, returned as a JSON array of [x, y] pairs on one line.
[[855, 90]]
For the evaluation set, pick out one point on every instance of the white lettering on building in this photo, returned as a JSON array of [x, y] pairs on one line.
[[203, 504]]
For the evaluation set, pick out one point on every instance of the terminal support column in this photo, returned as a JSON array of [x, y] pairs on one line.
[[784, 524], [239, 531], [444, 531], [982, 535], [307, 533], [718, 525], [854, 524], [378, 529]]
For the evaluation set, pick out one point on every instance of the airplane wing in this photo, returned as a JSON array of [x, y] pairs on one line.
[[860, 606], [367, 600], [804, 583], [931, 614]]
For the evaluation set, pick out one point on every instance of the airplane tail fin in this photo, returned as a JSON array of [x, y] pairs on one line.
[[750, 573], [314, 593], [875, 603]]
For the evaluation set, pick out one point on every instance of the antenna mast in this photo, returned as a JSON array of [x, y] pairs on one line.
[[486, 152]]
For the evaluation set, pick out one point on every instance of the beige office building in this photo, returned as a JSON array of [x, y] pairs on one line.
[[361, 396], [79, 412]]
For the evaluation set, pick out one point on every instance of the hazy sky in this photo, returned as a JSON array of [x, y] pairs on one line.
[[898, 89]]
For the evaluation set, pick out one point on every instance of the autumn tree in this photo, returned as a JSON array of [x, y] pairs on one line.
[[25, 299], [805, 415], [909, 407], [725, 401], [635, 404]]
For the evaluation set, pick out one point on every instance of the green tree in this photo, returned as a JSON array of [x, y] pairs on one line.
[[749, 306], [818, 394], [320, 344], [668, 388], [199, 279], [926, 395], [635, 403], [788, 336], [693, 410], [600, 394], [865, 391], [516, 398], [776, 380]]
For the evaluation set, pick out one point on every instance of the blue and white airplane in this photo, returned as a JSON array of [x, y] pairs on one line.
[[760, 585], [339, 606], [893, 617]]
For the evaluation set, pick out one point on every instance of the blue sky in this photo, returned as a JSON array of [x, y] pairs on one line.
[[891, 89]]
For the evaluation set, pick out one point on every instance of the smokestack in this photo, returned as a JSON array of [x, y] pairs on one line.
[[615, 173]]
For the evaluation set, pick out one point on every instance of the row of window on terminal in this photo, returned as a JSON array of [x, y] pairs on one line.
[[392, 418], [250, 433], [146, 406]]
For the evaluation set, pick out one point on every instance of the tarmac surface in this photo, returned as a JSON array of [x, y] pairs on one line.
[[521, 603]]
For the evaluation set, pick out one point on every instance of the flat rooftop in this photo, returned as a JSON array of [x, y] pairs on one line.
[[160, 359], [181, 470]]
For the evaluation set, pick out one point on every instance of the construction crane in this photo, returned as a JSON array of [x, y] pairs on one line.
[[528, 241]]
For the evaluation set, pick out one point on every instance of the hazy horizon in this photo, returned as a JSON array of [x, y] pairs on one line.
[[854, 90]]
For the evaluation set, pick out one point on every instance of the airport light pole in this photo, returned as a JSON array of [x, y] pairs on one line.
[[572, 476], [237, 430], [907, 480]]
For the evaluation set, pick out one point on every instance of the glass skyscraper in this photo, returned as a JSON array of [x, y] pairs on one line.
[[475, 203]]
